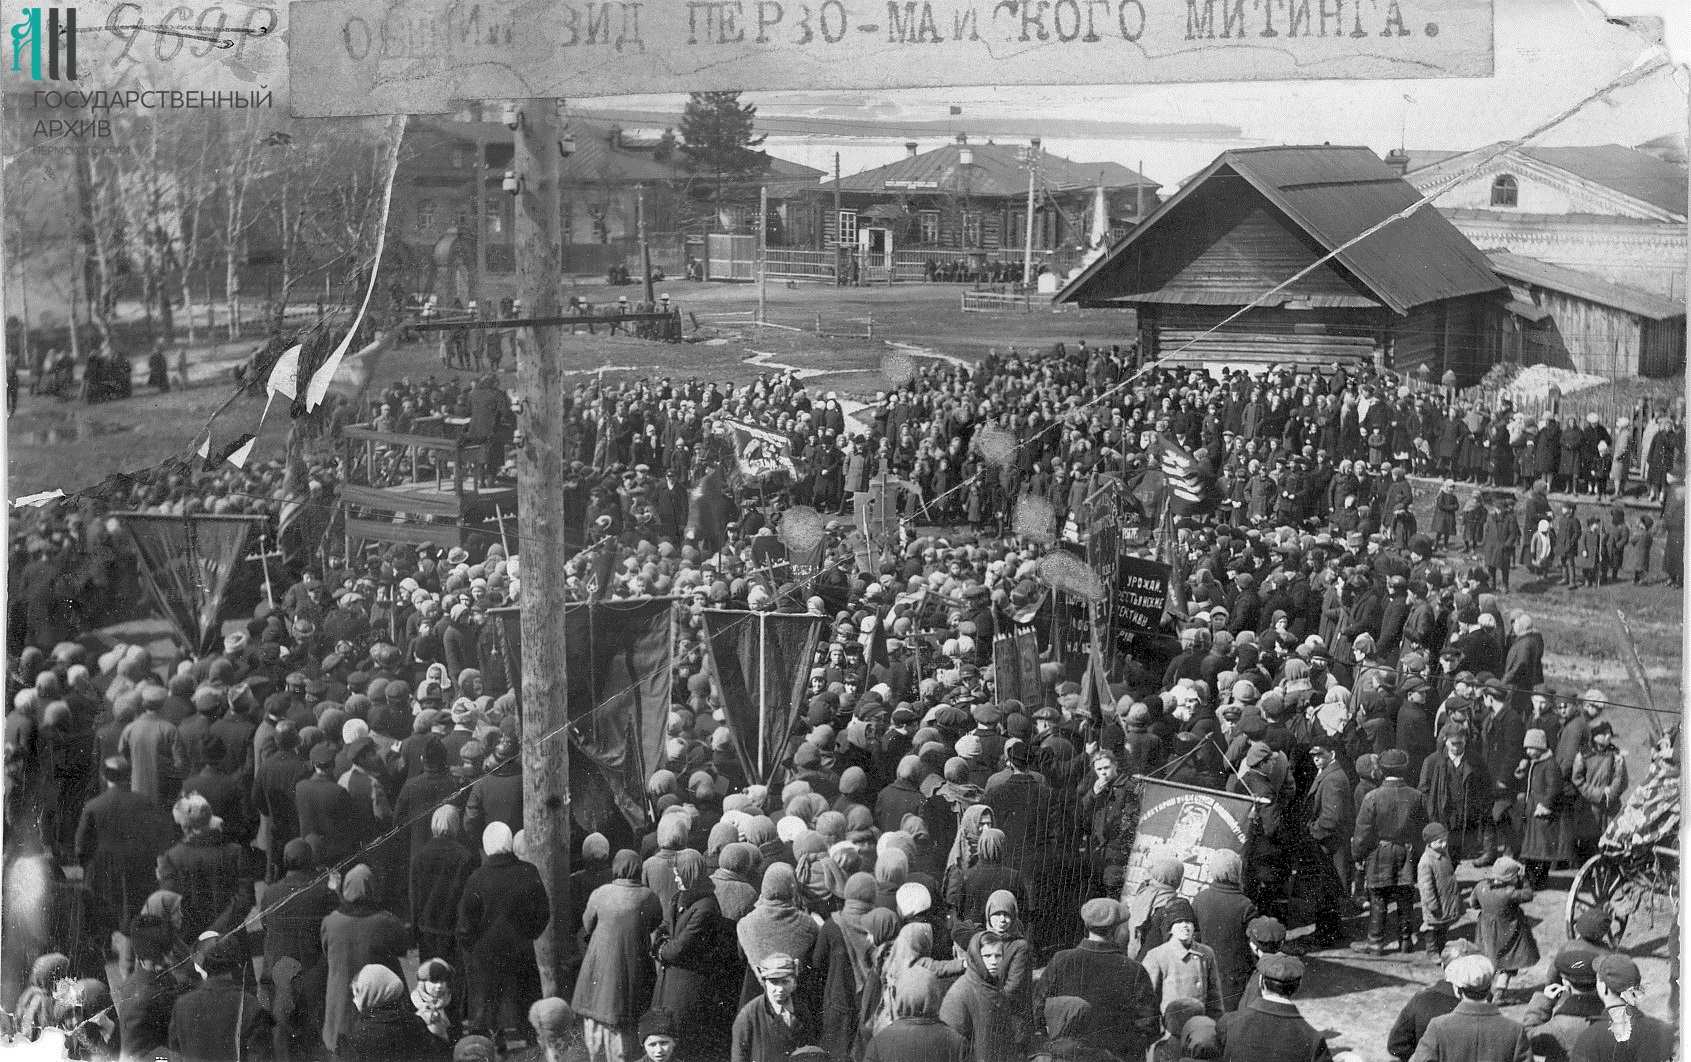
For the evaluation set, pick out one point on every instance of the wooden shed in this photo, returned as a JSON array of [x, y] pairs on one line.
[[1233, 269], [1574, 320]]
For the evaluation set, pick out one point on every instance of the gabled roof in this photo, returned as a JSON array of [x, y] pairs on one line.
[[1333, 194], [997, 170], [1584, 286], [1636, 174]]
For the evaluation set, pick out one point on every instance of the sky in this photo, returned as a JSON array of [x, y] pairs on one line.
[[1550, 54]]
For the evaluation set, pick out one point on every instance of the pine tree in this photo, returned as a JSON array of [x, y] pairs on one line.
[[717, 140]]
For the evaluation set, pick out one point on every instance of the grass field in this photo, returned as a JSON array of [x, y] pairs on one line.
[[68, 445]]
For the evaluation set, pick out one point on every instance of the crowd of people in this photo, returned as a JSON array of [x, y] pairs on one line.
[[309, 843]]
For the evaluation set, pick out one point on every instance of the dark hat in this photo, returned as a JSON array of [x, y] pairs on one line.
[[1278, 967], [1617, 972], [1593, 925], [987, 714], [1433, 831], [1266, 930], [1577, 963], [322, 754], [657, 1022], [1179, 910], [1050, 713], [1394, 761]]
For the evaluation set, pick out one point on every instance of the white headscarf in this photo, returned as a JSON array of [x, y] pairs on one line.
[[497, 839]]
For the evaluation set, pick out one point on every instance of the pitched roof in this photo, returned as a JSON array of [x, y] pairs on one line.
[[997, 170], [1585, 286], [1335, 193], [1640, 175]]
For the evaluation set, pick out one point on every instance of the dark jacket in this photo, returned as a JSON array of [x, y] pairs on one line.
[[144, 1006], [1431, 1002], [1223, 912], [761, 1036], [696, 945], [503, 909], [327, 810], [918, 1040], [212, 878], [118, 842], [392, 1033], [1388, 834], [1115, 984], [417, 799], [203, 1024], [438, 875], [496, 797], [978, 1008], [295, 908], [274, 788], [1474, 1031], [1269, 1031]]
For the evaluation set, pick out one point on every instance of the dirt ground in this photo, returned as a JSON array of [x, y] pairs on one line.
[[1353, 997]]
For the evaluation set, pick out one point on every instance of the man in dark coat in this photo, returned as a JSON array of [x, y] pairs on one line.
[[1113, 982], [1438, 998], [327, 810], [1270, 1029], [903, 797], [295, 906], [428, 790], [1523, 664], [1224, 918], [504, 908], [1503, 733], [1023, 807], [1457, 791], [220, 1019], [1332, 817], [1387, 842], [273, 788], [498, 795], [146, 998], [118, 841]]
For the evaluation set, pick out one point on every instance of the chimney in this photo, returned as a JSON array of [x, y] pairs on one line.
[[1397, 160], [615, 136], [910, 146], [962, 138]]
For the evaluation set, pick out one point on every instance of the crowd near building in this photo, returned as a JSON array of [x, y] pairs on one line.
[[305, 838]]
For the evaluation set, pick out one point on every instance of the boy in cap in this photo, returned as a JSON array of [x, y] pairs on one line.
[[1271, 1029], [774, 1025], [659, 1036], [1435, 880], [1266, 936], [1180, 967]]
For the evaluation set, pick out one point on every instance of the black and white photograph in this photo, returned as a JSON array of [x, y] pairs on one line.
[[844, 530]]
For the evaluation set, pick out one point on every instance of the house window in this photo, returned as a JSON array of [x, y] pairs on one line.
[[495, 217], [1504, 191], [425, 215], [459, 158], [929, 220], [847, 232]]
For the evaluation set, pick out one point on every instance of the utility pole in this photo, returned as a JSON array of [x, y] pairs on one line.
[[762, 252], [1027, 250], [540, 527], [478, 291], [1139, 195], [645, 248], [839, 262]]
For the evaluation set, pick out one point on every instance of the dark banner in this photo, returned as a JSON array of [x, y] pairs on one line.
[[620, 657], [1015, 667], [510, 635], [1137, 598], [761, 661], [185, 564], [1188, 824]]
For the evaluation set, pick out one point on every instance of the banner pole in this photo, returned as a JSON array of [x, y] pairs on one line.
[[763, 752], [264, 559]]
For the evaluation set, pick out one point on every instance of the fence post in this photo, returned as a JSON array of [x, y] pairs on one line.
[[871, 326]]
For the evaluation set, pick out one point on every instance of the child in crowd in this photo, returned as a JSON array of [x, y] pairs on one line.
[[1435, 880], [1504, 933]]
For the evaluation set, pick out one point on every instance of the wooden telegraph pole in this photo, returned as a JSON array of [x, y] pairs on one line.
[[540, 526]]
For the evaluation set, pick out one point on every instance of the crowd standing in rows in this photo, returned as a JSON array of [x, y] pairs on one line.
[[940, 867]]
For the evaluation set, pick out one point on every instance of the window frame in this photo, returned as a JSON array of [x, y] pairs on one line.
[[1505, 186], [840, 228]]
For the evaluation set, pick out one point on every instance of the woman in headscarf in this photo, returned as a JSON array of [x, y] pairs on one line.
[[965, 850], [821, 881], [892, 870], [1164, 886], [386, 1029], [659, 870], [693, 943], [505, 907], [735, 893], [1067, 1020], [615, 984], [974, 887], [776, 924], [843, 958], [355, 935], [916, 1033], [927, 859], [1004, 917], [912, 950], [861, 831], [1224, 912]]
